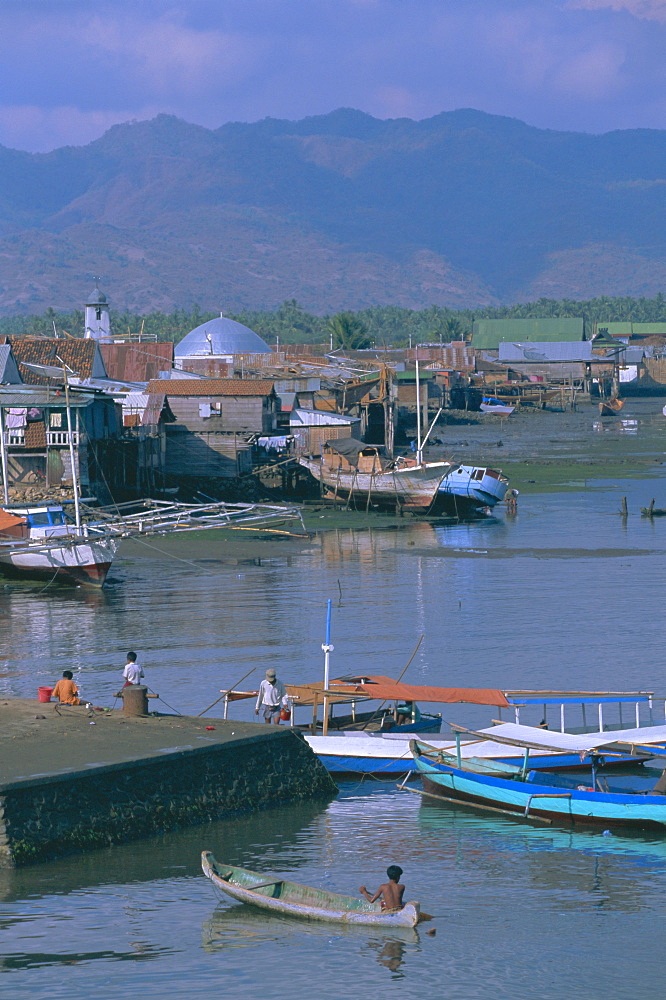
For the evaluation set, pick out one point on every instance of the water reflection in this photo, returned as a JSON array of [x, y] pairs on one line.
[[243, 926]]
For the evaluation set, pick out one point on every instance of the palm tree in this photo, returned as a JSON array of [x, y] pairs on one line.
[[348, 332]]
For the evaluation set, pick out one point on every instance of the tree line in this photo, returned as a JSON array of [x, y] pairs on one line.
[[380, 326]]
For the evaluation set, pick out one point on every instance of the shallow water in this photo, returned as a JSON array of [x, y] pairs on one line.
[[566, 595]]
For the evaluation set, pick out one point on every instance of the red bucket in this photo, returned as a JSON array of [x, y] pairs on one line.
[[285, 714], [44, 694]]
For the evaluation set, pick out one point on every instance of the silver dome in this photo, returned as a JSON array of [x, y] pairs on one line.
[[220, 336]]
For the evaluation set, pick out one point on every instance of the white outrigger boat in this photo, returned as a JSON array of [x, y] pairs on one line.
[[39, 541]]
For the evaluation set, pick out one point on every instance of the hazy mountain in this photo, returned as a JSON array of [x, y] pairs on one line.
[[338, 211]]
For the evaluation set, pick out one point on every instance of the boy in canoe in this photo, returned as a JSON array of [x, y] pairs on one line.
[[391, 892]]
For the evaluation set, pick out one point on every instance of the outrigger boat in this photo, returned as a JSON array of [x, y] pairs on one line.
[[302, 901], [385, 752], [538, 796], [39, 541]]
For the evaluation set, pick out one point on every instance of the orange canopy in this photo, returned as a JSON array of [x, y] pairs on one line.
[[386, 689]]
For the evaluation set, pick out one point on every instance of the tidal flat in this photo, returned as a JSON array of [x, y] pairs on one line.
[[566, 594]]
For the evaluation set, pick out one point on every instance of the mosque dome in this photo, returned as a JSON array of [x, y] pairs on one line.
[[220, 336]]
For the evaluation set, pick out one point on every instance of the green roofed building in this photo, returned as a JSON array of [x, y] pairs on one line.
[[626, 330], [488, 334]]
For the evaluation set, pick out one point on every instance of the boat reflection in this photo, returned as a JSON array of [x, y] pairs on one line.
[[243, 926]]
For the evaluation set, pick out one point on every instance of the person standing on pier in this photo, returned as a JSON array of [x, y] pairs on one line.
[[271, 697], [133, 672]]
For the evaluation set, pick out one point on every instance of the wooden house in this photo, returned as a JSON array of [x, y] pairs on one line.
[[213, 419]]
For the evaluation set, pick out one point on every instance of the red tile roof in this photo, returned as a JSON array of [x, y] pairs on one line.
[[211, 387], [79, 355]]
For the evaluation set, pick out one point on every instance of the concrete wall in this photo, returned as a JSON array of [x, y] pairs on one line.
[[85, 809]]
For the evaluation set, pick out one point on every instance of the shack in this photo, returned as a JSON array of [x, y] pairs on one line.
[[310, 429], [213, 422]]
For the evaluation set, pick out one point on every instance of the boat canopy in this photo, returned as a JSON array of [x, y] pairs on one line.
[[377, 687], [651, 737], [519, 698]]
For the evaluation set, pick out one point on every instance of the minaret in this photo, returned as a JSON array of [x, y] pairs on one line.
[[98, 323]]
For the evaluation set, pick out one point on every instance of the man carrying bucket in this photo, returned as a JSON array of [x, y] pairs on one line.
[[272, 698]]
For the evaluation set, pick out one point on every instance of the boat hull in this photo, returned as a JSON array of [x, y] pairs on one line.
[[469, 490], [531, 800], [80, 562], [358, 755], [414, 489], [302, 902]]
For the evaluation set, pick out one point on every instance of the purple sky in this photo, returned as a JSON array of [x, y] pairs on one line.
[[69, 69]]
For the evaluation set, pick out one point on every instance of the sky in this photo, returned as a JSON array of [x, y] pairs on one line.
[[70, 69]]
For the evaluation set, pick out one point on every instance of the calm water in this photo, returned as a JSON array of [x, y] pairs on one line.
[[565, 595]]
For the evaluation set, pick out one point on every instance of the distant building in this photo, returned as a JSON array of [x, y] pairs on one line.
[[488, 334], [213, 422], [218, 340], [97, 320]]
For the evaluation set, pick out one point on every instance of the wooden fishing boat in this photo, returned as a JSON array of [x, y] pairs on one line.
[[609, 407], [363, 476], [539, 796], [302, 901]]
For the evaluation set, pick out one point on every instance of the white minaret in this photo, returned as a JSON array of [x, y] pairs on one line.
[[98, 322]]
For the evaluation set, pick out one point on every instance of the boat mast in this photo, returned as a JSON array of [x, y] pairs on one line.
[[70, 441], [419, 455], [328, 649], [3, 455]]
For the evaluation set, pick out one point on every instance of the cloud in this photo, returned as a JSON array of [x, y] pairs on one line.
[[37, 129], [649, 10], [68, 69]]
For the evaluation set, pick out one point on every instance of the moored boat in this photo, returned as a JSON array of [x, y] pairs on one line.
[[302, 901], [40, 542], [363, 476], [489, 404], [539, 796], [469, 490]]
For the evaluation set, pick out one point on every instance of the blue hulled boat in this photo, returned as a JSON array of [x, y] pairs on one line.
[[538, 796]]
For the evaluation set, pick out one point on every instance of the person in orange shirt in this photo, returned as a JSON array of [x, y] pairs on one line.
[[66, 690]]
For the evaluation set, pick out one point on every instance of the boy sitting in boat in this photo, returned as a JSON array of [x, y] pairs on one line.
[[66, 690], [391, 892]]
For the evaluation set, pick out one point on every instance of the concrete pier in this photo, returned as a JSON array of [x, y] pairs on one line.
[[73, 779]]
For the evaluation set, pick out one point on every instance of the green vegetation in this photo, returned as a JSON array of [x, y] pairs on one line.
[[379, 326]]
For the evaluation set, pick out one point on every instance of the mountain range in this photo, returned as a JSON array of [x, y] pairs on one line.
[[339, 211]]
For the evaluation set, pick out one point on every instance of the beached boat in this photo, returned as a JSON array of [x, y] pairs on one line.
[[40, 541], [489, 404], [469, 490], [363, 476], [539, 796], [302, 901], [609, 407]]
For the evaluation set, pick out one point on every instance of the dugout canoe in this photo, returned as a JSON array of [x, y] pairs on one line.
[[303, 901]]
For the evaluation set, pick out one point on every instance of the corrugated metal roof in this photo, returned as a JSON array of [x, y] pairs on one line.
[[211, 387], [490, 333], [315, 418], [137, 362], [29, 396], [546, 352], [8, 369], [626, 329]]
